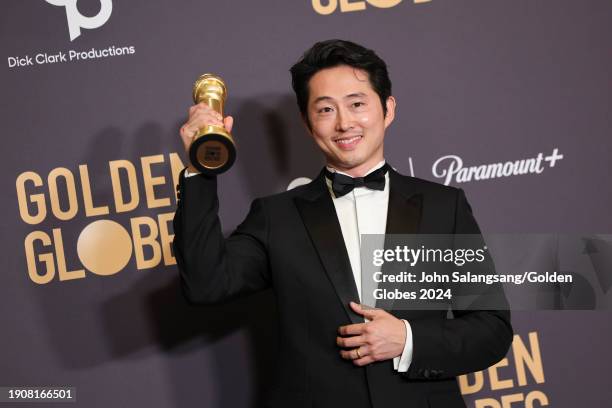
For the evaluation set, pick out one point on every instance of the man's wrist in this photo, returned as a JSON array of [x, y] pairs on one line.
[[403, 361]]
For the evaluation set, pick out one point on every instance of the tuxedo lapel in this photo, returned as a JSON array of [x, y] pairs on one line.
[[403, 217], [405, 206], [319, 216]]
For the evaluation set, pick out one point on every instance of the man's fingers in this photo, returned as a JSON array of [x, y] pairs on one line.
[[197, 121], [203, 108], [369, 314], [352, 329], [350, 342], [355, 353], [228, 122], [347, 354], [203, 118], [359, 359], [187, 131], [201, 115]]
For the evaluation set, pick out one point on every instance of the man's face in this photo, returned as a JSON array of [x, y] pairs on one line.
[[346, 118]]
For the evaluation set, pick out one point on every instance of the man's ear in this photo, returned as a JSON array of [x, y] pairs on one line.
[[390, 111]]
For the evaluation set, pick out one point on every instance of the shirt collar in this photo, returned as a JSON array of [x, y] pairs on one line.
[[376, 167]]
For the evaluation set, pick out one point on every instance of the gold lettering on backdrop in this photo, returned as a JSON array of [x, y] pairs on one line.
[[466, 387], [166, 238], [90, 209], [391, 3], [37, 199], [508, 401], [352, 5], [329, 8], [104, 247], [326, 7], [496, 383], [151, 182], [62, 190], [60, 257], [533, 360], [46, 258], [176, 165], [509, 374], [140, 242], [487, 403], [130, 171], [73, 205], [536, 396]]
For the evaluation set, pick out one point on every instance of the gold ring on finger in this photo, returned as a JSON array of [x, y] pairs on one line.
[[357, 351]]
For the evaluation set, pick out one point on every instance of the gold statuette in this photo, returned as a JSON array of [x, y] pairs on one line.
[[213, 150]]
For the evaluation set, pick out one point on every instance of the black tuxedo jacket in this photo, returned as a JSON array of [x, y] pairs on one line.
[[292, 242]]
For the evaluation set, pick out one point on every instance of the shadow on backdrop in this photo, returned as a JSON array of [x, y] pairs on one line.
[[135, 314]]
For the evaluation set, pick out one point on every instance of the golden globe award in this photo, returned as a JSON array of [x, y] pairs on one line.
[[213, 150]]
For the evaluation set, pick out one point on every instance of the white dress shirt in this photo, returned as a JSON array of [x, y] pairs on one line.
[[364, 211]]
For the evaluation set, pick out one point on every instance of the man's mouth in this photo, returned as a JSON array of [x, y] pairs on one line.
[[348, 141]]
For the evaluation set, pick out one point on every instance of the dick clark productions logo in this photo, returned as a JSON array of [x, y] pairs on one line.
[[76, 20]]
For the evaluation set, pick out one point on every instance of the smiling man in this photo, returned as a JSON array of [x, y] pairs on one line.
[[347, 119], [305, 245]]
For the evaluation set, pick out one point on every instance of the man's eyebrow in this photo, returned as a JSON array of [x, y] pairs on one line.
[[329, 98]]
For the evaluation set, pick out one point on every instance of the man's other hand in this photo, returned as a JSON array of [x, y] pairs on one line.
[[382, 338]]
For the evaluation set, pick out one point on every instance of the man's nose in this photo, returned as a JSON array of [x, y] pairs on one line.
[[344, 120]]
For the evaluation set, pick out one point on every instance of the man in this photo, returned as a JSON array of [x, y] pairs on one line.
[[304, 243]]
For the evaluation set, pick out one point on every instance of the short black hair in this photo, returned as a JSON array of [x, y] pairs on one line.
[[332, 53]]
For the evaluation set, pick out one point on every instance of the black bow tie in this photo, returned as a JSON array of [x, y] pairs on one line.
[[342, 184]]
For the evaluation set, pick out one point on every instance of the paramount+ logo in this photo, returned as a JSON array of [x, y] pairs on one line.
[[99, 216], [76, 20], [326, 7]]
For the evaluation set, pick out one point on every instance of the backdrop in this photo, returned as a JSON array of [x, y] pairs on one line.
[[94, 94]]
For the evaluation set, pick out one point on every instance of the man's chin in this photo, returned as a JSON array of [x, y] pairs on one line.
[[345, 165]]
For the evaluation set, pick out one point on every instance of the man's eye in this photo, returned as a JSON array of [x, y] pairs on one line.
[[358, 104], [326, 109]]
